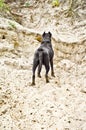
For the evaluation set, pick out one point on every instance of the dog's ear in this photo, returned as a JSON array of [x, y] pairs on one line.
[[50, 34], [43, 34]]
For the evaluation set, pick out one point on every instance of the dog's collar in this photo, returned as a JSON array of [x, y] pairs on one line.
[[46, 41]]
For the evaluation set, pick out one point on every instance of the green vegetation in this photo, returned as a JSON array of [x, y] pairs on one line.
[[12, 25], [55, 2], [27, 4], [3, 6]]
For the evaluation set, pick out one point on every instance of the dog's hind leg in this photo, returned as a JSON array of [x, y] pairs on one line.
[[40, 63], [47, 67], [39, 70], [35, 64], [46, 75], [52, 70]]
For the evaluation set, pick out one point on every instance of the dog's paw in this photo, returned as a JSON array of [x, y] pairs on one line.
[[39, 76], [47, 81], [32, 84], [52, 74]]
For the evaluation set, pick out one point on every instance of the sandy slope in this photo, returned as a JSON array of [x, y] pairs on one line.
[[58, 105]]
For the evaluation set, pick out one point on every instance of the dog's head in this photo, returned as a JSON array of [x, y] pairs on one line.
[[47, 37]]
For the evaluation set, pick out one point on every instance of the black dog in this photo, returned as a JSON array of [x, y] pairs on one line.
[[43, 55]]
